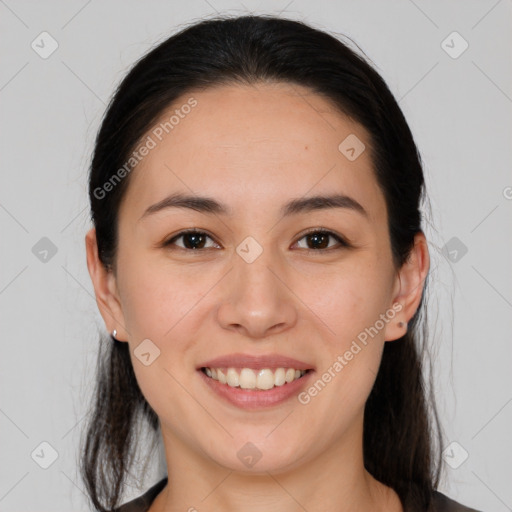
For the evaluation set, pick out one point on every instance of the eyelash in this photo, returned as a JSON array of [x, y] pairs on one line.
[[344, 244]]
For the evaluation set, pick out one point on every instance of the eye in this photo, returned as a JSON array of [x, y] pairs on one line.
[[193, 240], [320, 240]]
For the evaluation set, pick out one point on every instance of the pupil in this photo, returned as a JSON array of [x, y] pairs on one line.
[[192, 236], [318, 236]]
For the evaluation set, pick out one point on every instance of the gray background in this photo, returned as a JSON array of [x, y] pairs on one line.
[[459, 110]]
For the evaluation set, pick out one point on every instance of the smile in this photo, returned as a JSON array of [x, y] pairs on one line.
[[256, 380]]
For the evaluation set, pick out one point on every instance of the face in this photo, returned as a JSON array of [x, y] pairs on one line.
[[256, 283]]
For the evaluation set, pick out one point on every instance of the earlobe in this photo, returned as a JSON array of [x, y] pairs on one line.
[[105, 289], [410, 281]]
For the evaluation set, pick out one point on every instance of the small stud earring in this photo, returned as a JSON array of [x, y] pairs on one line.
[[401, 324], [114, 333]]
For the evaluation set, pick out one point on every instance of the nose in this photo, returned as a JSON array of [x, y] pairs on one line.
[[257, 302]]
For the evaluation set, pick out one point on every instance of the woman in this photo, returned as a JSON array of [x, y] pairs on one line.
[[258, 256]]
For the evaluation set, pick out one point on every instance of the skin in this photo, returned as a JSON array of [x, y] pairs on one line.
[[255, 148]]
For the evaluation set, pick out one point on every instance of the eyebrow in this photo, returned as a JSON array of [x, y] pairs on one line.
[[209, 205]]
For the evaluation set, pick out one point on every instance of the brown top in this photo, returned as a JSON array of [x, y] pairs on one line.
[[141, 504]]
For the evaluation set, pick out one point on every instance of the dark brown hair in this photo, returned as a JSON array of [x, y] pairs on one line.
[[401, 428]]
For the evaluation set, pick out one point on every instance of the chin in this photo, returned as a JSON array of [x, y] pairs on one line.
[[260, 456]]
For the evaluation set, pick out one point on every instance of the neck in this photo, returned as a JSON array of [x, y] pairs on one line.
[[335, 480]]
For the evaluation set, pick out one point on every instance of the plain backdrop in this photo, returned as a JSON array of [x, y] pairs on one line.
[[458, 102]]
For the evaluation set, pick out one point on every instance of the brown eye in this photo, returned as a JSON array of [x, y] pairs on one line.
[[318, 241], [192, 240]]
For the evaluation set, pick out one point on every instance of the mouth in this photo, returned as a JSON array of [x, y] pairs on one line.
[[250, 379], [254, 389]]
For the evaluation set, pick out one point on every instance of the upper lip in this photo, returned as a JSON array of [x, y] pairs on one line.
[[255, 362]]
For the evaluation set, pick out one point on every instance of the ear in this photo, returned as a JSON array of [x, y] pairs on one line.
[[408, 287], [105, 289]]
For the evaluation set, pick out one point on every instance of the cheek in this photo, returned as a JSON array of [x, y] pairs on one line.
[[351, 308], [161, 304], [157, 298], [349, 300]]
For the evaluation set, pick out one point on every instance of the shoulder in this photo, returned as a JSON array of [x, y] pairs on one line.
[[444, 504], [142, 503]]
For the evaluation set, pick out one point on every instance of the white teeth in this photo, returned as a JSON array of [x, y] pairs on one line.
[[232, 378], [254, 379], [221, 377], [247, 379], [290, 374], [279, 377], [265, 379]]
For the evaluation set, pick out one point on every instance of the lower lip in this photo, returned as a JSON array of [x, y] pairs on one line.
[[257, 399]]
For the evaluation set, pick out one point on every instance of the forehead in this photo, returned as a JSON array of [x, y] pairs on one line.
[[280, 116], [263, 142]]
